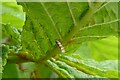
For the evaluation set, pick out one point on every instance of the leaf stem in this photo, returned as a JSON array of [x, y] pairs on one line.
[[17, 59]]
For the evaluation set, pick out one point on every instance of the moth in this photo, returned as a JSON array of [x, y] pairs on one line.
[[60, 46]]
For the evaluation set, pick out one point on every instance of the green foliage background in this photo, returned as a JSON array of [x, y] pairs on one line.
[[88, 32]]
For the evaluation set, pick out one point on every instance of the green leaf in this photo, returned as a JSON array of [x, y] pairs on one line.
[[52, 27], [73, 71], [71, 24], [104, 49], [61, 72], [103, 24], [45, 72], [1, 68], [5, 51], [12, 33], [12, 14], [8, 69], [91, 67], [97, 30]]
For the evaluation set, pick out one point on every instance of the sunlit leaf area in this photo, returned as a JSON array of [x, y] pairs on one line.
[[70, 40]]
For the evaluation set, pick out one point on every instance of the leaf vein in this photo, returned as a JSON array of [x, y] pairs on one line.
[[89, 37], [102, 6], [99, 24], [54, 25], [73, 18]]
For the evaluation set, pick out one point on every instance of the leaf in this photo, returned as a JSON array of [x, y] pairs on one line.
[[92, 67], [37, 25], [99, 49], [7, 71], [61, 72], [105, 49], [45, 72], [12, 33], [100, 25], [50, 28], [12, 14], [73, 71], [71, 24], [5, 51], [1, 68]]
